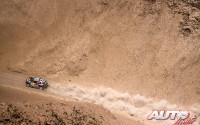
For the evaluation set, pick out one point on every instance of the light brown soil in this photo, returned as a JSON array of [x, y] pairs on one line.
[[19, 107], [146, 47]]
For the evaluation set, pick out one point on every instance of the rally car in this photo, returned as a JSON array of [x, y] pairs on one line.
[[36, 82]]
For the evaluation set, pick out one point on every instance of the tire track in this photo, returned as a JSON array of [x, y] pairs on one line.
[[136, 106]]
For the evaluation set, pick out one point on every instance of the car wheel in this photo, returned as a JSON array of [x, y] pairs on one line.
[[46, 86], [42, 88], [27, 85]]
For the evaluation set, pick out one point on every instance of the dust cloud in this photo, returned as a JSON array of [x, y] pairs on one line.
[[134, 105]]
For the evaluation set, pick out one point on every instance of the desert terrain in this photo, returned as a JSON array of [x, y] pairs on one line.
[[25, 107], [120, 58]]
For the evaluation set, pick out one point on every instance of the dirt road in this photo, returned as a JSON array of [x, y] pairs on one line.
[[20, 101], [16, 81], [131, 106], [19, 107]]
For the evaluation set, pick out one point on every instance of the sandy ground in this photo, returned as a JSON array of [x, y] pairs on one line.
[[132, 56], [20, 107], [129, 109], [147, 47]]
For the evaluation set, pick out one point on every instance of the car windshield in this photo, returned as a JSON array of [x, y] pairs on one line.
[[36, 79]]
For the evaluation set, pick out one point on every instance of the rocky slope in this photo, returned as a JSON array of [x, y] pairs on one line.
[[30, 108], [151, 47]]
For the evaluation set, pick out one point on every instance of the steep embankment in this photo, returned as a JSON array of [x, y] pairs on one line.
[[149, 47], [21, 107]]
